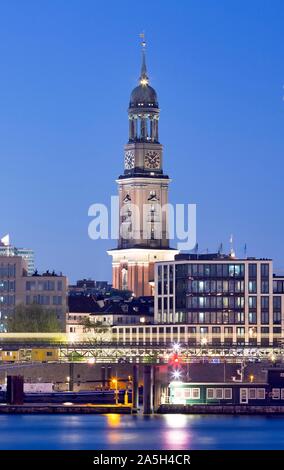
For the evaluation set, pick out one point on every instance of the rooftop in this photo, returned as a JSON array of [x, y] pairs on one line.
[[115, 306], [214, 256]]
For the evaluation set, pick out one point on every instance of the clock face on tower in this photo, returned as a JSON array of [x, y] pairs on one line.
[[152, 160], [129, 160]]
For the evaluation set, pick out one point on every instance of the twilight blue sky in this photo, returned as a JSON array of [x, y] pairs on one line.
[[67, 69]]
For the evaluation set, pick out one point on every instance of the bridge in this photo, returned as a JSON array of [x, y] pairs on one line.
[[133, 352]]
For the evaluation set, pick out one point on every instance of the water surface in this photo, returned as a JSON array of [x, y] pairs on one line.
[[139, 432]]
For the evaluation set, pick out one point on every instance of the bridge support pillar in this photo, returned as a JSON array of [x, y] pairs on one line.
[[71, 376], [135, 387], [148, 390], [15, 389], [103, 377], [157, 389]]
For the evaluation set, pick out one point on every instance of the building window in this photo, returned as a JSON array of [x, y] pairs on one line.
[[276, 393], [264, 318], [264, 310], [203, 330], [265, 287], [196, 393], [277, 310], [240, 331], [252, 393], [252, 270], [228, 330], [186, 392], [210, 393], [227, 393], [252, 302], [277, 318], [30, 285], [278, 287], [265, 270], [260, 394], [252, 318], [219, 393], [216, 330], [252, 287]]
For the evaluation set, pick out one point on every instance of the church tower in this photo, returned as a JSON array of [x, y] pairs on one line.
[[143, 195]]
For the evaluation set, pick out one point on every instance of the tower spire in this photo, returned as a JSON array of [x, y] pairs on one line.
[[144, 79]]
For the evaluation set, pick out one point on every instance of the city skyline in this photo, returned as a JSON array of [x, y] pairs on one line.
[[64, 121]]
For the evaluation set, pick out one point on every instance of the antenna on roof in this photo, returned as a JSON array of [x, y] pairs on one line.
[[232, 251]]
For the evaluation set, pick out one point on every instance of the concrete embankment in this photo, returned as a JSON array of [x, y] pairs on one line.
[[64, 409], [221, 409]]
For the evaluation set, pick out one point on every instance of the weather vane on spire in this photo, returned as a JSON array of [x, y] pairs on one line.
[[143, 42]]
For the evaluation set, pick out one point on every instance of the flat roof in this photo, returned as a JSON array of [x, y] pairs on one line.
[[214, 257]]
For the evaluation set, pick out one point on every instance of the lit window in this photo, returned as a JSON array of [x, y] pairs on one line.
[[178, 393], [186, 393], [261, 393], [210, 393], [196, 393], [201, 286], [219, 393]]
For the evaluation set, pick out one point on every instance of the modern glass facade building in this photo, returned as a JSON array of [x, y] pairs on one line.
[[26, 253], [221, 299]]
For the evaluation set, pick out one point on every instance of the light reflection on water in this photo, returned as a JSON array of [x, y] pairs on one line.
[[138, 432], [178, 434]]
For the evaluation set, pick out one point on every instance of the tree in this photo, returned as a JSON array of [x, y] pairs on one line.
[[33, 319], [97, 327]]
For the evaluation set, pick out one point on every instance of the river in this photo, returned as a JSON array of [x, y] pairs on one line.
[[139, 432]]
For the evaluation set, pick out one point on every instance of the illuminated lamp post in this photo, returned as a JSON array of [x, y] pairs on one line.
[[115, 383]]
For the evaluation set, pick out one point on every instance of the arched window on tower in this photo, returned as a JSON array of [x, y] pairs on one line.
[[143, 128], [124, 278]]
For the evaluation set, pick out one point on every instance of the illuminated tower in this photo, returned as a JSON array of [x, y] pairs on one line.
[[143, 195]]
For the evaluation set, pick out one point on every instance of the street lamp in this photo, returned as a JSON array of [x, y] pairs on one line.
[[176, 347], [115, 383], [176, 374]]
